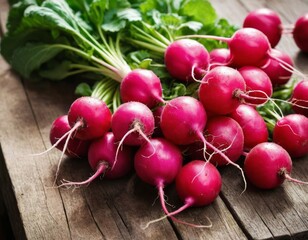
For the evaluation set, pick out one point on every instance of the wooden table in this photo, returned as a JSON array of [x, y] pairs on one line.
[[118, 209]]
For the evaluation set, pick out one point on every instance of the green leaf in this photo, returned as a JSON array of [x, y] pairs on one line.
[[129, 14], [83, 89], [199, 10], [192, 25], [114, 26], [30, 57], [55, 70]]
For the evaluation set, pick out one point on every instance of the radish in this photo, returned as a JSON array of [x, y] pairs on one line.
[[186, 59], [291, 132], [300, 33], [279, 67], [258, 84], [267, 165], [132, 123], [219, 56], [183, 120], [75, 147], [198, 183], [267, 21], [141, 85], [226, 135], [299, 98], [253, 125], [219, 89], [159, 168], [102, 155], [89, 118]]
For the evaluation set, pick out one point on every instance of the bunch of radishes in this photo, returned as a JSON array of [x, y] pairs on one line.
[[215, 127]]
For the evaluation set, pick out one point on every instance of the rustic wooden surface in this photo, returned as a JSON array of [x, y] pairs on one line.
[[118, 209]]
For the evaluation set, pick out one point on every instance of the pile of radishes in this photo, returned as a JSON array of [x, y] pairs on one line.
[[185, 140]]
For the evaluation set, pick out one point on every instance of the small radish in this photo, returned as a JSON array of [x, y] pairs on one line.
[[183, 120], [132, 123], [158, 168], [299, 98], [258, 84], [226, 135], [143, 86], [291, 132], [267, 165], [186, 59], [198, 183], [102, 155], [267, 21], [219, 56], [75, 147], [300, 33], [252, 124], [89, 118], [219, 88], [278, 66]]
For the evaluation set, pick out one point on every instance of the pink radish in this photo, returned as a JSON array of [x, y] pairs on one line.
[[226, 135], [279, 67], [219, 56], [183, 120], [300, 33], [102, 155], [198, 183], [267, 21], [253, 125], [141, 85], [89, 118], [267, 165], [291, 132], [219, 89], [299, 98], [132, 123], [186, 59], [75, 147], [258, 84], [158, 168]]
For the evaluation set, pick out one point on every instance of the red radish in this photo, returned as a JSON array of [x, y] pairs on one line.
[[89, 118], [198, 183], [183, 120], [299, 98], [102, 155], [253, 125], [278, 66], [291, 132], [218, 90], [132, 123], [219, 56], [75, 147], [143, 86], [258, 84], [267, 21], [159, 168], [226, 135], [267, 165], [186, 59], [300, 33]]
